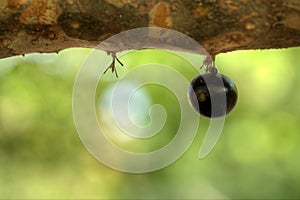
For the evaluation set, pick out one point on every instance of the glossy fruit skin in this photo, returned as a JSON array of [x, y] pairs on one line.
[[212, 89]]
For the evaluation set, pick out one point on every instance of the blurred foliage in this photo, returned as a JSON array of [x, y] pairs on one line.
[[41, 155]]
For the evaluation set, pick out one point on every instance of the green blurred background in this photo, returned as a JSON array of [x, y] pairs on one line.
[[257, 155]]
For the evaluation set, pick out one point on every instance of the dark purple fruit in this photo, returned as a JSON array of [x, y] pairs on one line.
[[212, 95]]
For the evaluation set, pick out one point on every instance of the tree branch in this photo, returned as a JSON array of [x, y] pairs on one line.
[[218, 25]]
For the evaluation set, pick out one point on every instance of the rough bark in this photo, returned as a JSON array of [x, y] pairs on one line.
[[219, 25]]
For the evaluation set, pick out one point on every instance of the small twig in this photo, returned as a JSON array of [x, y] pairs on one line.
[[112, 65]]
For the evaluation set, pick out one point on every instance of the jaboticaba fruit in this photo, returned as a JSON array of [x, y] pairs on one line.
[[212, 94]]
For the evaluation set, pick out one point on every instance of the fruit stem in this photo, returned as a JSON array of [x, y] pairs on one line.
[[112, 65], [210, 65]]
